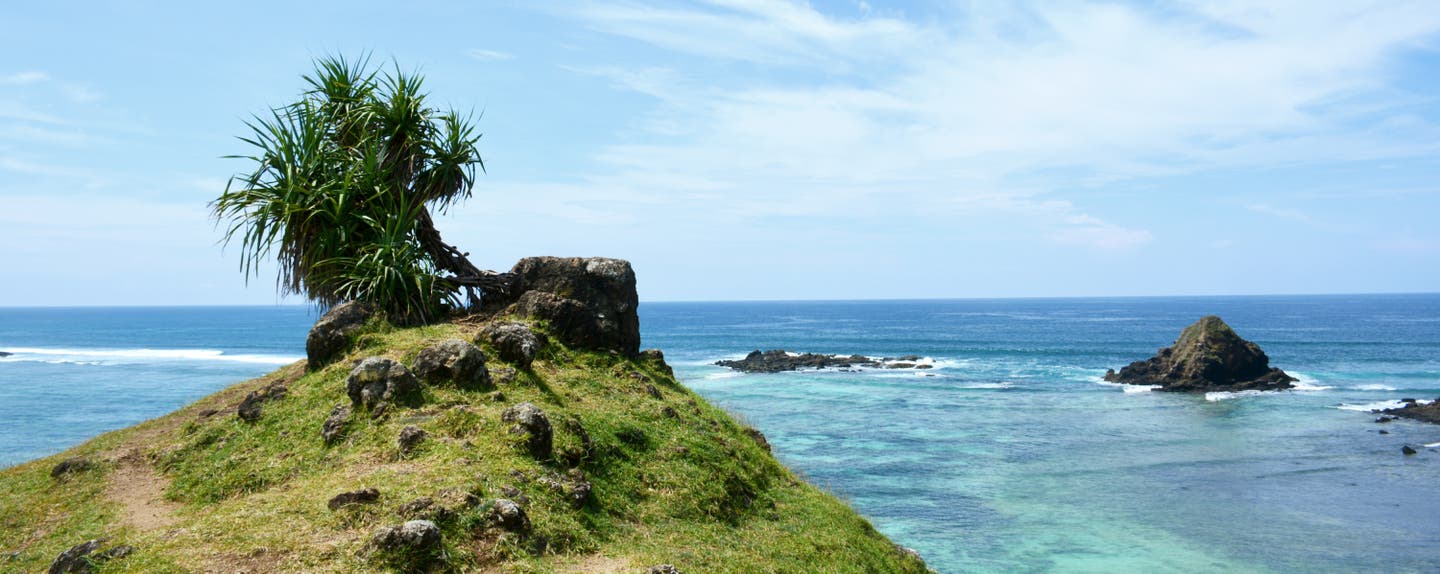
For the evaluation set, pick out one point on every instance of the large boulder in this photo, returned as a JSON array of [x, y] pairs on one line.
[[330, 336], [590, 303], [378, 381], [1208, 356], [452, 360]]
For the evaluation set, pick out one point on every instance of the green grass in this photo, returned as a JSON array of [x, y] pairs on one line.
[[675, 480]]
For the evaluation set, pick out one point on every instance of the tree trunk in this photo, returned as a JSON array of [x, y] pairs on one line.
[[463, 272]]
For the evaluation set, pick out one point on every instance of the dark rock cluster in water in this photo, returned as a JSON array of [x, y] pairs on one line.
[[1208, 356], [1413, 409], [778, 360]]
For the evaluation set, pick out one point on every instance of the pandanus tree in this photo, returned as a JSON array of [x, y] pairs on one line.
[[341, 190]]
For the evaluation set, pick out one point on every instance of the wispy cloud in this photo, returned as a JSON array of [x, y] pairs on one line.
[[23, 78], [488, 55], [1021, 100]]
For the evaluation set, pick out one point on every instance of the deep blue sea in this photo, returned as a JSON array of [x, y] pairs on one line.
[[1009, 456]]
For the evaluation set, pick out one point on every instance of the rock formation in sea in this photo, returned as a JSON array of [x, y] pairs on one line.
[[5, 354], [1208, 356], [778, 360], [1413, 409]]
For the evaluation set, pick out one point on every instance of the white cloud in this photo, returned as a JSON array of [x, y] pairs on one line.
[[1021, 102], [489, 55], [23, 78]]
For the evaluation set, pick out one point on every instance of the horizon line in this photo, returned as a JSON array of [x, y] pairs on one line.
[[836, 300]]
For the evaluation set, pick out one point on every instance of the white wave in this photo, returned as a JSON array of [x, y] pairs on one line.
[[723, 375], [1374, 388], [103, 356], [999, 385], [1431, 444], [1375, 406], [1228, 395], [1306, 382], [1138, 388], [1124, 387]]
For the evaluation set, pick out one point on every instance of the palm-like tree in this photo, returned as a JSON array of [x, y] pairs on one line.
[[341, 191]]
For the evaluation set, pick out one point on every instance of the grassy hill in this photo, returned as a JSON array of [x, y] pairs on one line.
[[671, 479]]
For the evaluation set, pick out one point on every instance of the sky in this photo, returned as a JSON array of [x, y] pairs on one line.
[[767, 149]]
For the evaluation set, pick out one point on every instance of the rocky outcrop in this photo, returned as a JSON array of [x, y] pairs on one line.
[[249, 409], [452, 360], [515, 343], [409, 546], [5, 354], [377, 381], [589, 303], [335, 424], [1208, 356], [532, 424], [71, 466], [506, 514], [1413, 409], [778, 360], [330, 336], [410, 438], [82, 558], [362, 496]]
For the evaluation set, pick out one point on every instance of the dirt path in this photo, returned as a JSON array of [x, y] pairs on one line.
[[140, 491]]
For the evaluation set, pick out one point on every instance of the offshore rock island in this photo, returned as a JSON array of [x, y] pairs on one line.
[[534, 436], [778, 360], [1208, 356]]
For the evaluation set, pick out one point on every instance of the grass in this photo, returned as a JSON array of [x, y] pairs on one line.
[[675, 480]]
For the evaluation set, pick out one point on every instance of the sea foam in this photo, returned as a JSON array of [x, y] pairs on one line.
[[106, 356]]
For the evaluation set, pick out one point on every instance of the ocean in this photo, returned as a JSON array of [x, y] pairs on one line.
[[1009, 456]]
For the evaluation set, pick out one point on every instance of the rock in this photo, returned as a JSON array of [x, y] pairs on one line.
[[335, 424], [506, 514], [364, 496], [592, 302], [572, 485], [1383, 431], [379, 381], [1424, 412], [410, 545], [5, 354], [1407, 450], [82, 558], [576, 455], [531, 421], [444, 506], [452, 360], [515, 343], [71, 466], [330, 336], [1384, 419], [249, 409], [1208, 356], [663, 569], [76, 558], [410, 437], [778, 360], [759, 438], [657, 358]]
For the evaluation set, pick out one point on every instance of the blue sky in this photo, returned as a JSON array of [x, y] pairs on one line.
[[747, 149]]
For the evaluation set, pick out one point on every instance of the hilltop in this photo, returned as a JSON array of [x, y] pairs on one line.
[[533, 438]]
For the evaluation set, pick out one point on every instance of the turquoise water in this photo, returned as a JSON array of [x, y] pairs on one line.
[[1010, 458]]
